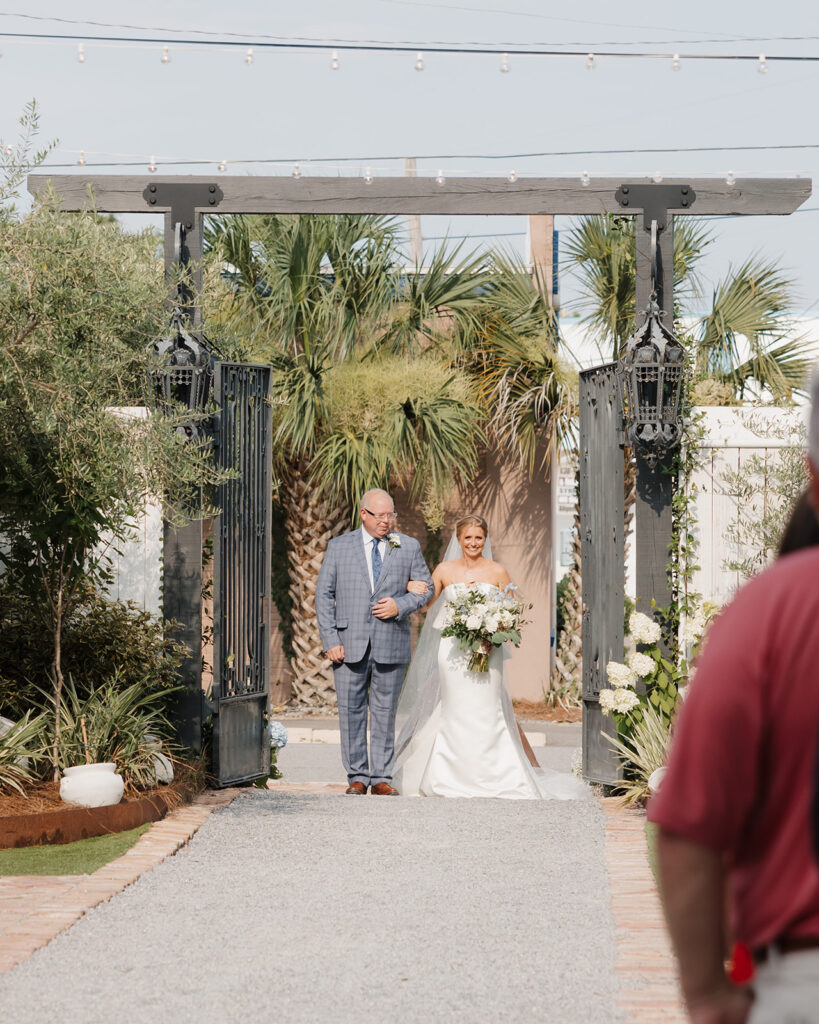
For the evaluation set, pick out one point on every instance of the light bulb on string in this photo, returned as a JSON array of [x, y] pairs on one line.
[[511, 176], [585, 179], [730, 181], [440, 180], [296, 171], [152, 165], [334, 61], [9, 150], [657, 176], [222, 166], [249, 56], [675, 62], [762, 66], [505, 63], [81, 53], [419, 62], [368, 176], [591, 63], [81, 160], [166, 56]]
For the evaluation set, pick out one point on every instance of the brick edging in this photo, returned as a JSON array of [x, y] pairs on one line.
[[646, 971]]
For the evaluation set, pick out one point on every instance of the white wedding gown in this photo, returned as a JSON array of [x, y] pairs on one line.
[[465, 742]]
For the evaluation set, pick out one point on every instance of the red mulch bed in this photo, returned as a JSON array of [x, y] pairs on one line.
[[540, 711], [41, 818]]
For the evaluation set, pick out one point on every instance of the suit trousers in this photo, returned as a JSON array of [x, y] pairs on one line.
[[362, 686]]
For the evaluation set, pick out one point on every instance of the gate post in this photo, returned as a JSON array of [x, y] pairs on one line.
[[601, 559]]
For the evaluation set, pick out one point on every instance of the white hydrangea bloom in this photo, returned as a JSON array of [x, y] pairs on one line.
[[625, 700], [642, 665], [643, 629], [619, 674], [606, 701], [694, 627]]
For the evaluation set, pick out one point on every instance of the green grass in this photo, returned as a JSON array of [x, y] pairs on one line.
[[651, 843], [80, 858]]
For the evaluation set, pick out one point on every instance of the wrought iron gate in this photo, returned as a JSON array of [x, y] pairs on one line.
[[241, 572], [602, 556]]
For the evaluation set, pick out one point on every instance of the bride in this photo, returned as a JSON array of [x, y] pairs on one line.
[[457, 733]]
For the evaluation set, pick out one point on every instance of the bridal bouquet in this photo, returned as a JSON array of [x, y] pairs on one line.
[[482, 621]]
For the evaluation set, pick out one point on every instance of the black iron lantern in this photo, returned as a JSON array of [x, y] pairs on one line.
[[181, 371], [651, 369]]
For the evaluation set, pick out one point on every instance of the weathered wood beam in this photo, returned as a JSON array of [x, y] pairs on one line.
[[457, 196]]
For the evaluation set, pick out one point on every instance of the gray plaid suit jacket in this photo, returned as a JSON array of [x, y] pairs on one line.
[[344, 598]]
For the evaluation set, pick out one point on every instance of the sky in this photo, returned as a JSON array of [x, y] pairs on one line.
[[461, 115]]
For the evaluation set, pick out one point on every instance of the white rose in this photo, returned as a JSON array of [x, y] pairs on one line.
[[643, 629], [506, 618], [473, 621], [642, 665], [619, 674], [491, 623]]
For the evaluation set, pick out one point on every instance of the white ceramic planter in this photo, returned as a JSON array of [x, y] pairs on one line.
[[656, 778], [92, 785]]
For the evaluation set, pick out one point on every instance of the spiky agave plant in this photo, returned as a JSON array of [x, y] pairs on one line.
[[643, 751], [22, 747]]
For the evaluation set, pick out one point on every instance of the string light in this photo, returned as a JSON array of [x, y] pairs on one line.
[[440, 179], [166, 57], [81, 53], [656, 176], [334, 61], [249, 56], [152, 165], [9, 150], [675, 62], [419, 62], [590, 62], [505, 63], [222, 165], [81, 160], [762, 67], [296, 171], [585, 179], [512, 176], [730, 181], [368, 175]]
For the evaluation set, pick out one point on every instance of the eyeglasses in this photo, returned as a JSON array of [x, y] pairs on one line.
[[383, 516]]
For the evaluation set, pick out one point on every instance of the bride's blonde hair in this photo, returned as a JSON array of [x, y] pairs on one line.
[[471, 520]]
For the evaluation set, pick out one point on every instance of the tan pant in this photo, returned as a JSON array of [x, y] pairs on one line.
[[787, 989]]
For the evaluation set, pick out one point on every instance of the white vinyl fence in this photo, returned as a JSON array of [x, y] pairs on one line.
[[736, 484]]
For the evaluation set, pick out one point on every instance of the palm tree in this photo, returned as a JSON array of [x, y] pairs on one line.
[[325, 302]]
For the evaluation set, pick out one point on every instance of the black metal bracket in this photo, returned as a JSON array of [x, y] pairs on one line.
[[655, 201], [183, 199]]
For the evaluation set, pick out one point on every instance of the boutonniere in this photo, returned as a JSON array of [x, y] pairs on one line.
[[394, 540]]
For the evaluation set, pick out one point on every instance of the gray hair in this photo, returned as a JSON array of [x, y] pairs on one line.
[[813, 423], [372, 492]]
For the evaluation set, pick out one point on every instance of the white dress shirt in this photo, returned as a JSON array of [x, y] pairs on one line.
[[368, 552]]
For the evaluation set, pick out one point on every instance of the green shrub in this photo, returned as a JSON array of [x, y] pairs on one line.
[[21, 749], [102, 640], [124, 724]]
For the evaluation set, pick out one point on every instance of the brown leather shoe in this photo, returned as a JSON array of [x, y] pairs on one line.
[[356, 789], [383, 789]]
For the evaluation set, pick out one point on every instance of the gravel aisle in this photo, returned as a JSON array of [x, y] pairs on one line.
[[301, 908]]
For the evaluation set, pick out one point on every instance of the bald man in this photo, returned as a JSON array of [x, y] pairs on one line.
[[363, 609]]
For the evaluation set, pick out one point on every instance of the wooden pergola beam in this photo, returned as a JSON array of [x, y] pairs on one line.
[[456, 196]]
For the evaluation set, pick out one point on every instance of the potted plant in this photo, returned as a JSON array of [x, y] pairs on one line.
[[93, 784]]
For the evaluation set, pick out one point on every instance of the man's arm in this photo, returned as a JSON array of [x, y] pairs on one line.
[[691, 886], [326, 600], [408, 603]]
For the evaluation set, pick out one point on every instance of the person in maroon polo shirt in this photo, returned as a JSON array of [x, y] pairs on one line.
[[735, 804]]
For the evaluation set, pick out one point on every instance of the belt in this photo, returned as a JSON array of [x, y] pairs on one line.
[[785, 944]]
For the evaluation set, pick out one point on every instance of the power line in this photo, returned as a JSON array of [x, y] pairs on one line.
[[495, 51]]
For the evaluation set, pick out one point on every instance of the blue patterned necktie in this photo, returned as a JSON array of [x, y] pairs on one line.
[[376, 563]]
